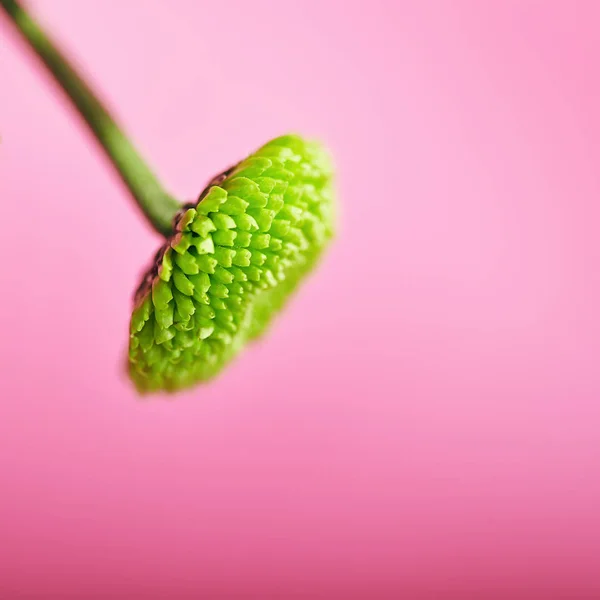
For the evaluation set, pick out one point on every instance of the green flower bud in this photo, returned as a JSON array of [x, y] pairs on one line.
[[230, 261], [233, 260]]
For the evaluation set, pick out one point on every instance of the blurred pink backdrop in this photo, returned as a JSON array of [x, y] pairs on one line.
[[431, 424]]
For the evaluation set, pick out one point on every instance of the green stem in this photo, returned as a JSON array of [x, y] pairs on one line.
[[157, 205]]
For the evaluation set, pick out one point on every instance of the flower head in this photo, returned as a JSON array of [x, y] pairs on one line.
[[231, 263]]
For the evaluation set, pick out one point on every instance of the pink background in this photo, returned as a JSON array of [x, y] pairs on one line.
[[424, 421]]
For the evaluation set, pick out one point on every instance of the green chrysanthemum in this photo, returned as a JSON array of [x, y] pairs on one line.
[[232, 262]]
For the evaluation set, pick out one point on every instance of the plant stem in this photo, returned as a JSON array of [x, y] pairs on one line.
[[157, 205]]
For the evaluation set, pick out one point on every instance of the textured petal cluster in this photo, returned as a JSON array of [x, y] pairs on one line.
[[232, 262]]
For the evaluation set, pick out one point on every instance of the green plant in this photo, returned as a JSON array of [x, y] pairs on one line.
[[229, 261]]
